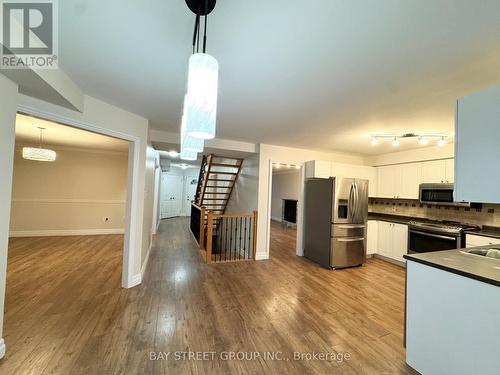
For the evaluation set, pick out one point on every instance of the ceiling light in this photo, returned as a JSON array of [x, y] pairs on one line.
[[288, 166], [423, 141], [202, 86], [374, 141], [297, 167], [442, 142], [173, 154], [277, 165], [39, 154], [395, 142], [184, 166]]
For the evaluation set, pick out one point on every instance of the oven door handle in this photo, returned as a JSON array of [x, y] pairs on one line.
[[433, 235]]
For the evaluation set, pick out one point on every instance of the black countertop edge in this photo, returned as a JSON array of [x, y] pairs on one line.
[[453, 270], [393, 218]]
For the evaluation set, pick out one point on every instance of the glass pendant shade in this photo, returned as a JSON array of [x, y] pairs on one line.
[[189, 143], [188, 155], [201, 102], [38, 154]]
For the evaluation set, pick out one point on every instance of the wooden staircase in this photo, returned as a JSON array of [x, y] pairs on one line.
[[218, 174]]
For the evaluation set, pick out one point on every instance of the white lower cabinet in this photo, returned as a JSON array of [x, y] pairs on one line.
[[372, 237], [392, 240], [473, 240]]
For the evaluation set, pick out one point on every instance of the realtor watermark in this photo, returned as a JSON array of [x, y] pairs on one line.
[[29, 34], [248, 356]]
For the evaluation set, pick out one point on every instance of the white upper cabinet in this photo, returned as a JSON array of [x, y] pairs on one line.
[[388, 181], [450, 170], [319, 169], [410, 180], [477, 150], [434, 171], [326, 169]]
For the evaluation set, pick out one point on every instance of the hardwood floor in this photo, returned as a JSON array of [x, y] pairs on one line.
[[66, 312]]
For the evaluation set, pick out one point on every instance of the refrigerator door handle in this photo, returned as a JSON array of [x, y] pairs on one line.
[[351, 202], [354, 202], [350, 226], [350, 239]]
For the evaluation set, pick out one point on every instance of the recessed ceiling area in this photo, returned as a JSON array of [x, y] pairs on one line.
[[28, 132], [321, 74]]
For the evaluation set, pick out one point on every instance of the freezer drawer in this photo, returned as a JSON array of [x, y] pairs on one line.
[[348, 230], [348, 251]]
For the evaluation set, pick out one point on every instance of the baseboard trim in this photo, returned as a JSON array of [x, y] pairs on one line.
[[261, 256], [136, 280], [64, 232], [276, 218], [390, 260], [2, 348]]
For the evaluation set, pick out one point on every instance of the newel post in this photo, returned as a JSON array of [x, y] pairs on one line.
[[254, 245]]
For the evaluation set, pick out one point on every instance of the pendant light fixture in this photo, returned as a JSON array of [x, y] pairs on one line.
[[188, 142], [202, 87], [39, 154]]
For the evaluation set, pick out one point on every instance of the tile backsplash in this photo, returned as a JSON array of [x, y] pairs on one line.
[[489, 214]]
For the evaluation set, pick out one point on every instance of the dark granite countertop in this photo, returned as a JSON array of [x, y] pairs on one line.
[[391, 218], [472, 266]]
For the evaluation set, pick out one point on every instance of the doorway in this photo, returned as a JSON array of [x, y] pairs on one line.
[[284, 208], [67, 229]]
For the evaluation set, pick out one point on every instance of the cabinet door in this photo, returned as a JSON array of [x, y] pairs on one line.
[[434, 171], [410, 179], [322, 169], [399, 241], [450, 170], [476, 147], [385, 243], [372, 237], [385, 182]]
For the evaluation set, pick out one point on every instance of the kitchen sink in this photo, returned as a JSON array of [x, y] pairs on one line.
[[486, 252]]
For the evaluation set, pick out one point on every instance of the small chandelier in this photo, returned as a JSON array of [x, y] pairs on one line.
[[39, 154]]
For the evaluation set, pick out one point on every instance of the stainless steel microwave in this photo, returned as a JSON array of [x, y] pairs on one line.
[[439, 194]]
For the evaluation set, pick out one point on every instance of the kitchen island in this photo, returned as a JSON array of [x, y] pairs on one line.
[[453, 313]]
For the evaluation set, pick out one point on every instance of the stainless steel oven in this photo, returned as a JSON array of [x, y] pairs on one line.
[[427, 237]]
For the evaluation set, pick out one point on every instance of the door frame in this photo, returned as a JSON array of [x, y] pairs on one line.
[[299, 248], [131, 238]]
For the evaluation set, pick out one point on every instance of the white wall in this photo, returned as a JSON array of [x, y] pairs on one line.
[[8, 102], [269, 154], [286, 185], [149, 209], [409, 156], [70, 196], [244, 196]]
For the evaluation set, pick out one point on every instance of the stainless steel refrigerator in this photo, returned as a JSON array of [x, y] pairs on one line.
[[336, 213]]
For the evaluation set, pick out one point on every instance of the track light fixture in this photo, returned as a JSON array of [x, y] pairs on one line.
[[423, 139]]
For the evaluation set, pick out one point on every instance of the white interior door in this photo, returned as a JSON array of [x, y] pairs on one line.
[[189, 192], [171, 195]]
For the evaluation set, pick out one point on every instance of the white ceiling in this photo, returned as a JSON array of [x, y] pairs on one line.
[[321, 74], [60, 135]]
